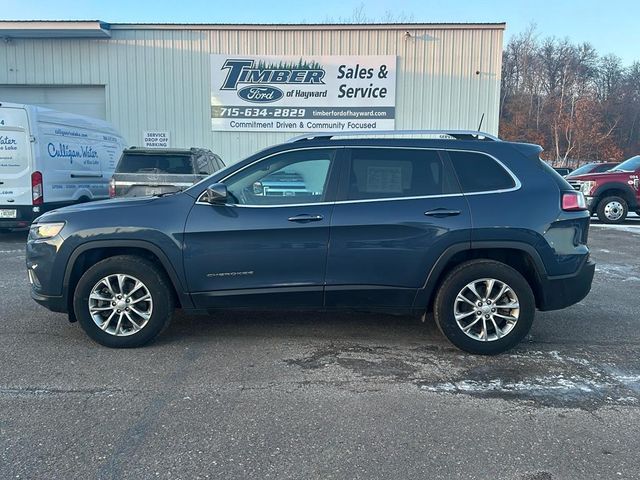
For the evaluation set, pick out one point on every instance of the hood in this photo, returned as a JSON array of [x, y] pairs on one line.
[[53, 215], [599, 176]]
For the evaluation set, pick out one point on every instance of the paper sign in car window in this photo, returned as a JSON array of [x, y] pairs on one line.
[[384, 179]]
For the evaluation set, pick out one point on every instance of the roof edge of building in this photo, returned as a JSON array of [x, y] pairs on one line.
[[59, 25], [306, 26]]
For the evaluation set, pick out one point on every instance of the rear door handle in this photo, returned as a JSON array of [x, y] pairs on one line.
[[441, 212], [305, 218]]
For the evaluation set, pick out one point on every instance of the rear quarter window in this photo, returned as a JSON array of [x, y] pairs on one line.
[[480, 173]]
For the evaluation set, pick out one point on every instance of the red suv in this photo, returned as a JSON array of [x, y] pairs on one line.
[[613, 194]]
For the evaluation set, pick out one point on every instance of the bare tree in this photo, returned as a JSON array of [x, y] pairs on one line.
[[359, 15], [579, 105]]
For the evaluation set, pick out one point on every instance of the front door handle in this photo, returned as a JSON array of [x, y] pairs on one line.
[[305, 218], [441, 212]]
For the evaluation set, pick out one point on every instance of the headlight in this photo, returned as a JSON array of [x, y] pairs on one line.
[[587, 186], [40, 231]]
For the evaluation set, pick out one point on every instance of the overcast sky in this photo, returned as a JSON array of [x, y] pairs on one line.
[[611, 26]]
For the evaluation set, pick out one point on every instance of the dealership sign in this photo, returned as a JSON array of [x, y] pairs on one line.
[[302, 94]]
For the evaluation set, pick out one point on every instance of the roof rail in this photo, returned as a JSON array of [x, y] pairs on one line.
[[456, 134]]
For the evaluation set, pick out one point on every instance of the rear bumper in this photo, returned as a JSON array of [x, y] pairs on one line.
[[561, 292], [24, 216]]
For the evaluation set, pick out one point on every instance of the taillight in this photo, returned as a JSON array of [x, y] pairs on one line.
[[112, 188], [573, 201], [37, 194]]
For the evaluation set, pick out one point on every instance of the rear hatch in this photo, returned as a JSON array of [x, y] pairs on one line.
[[15, 161], [144, 173]]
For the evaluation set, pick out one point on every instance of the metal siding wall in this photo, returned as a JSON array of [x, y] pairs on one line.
[[159, 79]]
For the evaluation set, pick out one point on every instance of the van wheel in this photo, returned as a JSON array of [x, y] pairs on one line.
[[484, 307], [123, 301], [612, 210]]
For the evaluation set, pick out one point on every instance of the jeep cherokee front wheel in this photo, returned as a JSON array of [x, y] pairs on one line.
[[484, 307], [123, 301]]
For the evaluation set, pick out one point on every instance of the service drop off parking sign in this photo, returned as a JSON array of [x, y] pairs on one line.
[[303, 94]]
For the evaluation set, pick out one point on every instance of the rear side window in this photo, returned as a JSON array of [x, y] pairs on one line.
[[393, 173], [204, 165], [150, 163], [480, 173], [218, 163]]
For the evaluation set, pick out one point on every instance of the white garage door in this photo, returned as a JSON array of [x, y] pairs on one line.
[[88, 101]]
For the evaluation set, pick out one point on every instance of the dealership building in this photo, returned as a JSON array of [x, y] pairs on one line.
[[239, 88]]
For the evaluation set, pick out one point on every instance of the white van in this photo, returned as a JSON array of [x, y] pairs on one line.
[[50, 159]]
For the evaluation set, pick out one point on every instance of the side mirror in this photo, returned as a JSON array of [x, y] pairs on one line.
[[216, 194]]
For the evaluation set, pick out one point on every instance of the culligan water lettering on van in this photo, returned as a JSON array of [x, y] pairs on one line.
[[71, 151], [50, 159]]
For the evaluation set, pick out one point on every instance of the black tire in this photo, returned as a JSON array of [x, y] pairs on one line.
[[155, 282], [602, 206], [455, 282]]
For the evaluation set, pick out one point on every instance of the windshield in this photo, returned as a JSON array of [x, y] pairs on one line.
[[583, 169], [154, 163], [630, 165]]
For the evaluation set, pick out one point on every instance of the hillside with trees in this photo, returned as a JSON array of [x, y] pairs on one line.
[[579, 105]]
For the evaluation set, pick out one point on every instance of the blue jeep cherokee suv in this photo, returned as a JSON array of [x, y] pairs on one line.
[[478, 231]]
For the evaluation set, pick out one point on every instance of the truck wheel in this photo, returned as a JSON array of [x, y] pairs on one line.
[[484, 307], [123, 301], [612, 210]]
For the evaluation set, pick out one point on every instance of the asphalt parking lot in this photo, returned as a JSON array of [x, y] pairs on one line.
[[270, 395]]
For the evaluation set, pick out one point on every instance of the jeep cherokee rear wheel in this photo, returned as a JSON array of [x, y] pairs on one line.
[[612, 210], [123, 301], [484, 307]]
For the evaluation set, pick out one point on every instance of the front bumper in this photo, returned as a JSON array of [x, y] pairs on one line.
[[560, 292], [55, 304], [591, 203]]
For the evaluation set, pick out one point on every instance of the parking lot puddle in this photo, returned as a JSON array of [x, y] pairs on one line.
[[624, 273], [541, 378]]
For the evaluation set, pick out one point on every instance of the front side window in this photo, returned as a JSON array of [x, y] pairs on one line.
[[396, 173], [287, 178], [480, 173]]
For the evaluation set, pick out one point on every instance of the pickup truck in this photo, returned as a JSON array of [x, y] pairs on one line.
[[612, 194]]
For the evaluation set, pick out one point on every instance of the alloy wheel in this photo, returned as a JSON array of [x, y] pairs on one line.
[[486, 309], [120, 304]]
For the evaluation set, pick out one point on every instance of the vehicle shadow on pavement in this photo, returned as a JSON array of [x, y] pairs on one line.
[[312, 324]]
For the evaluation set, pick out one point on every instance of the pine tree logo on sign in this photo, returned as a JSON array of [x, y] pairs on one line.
[[247, 71]]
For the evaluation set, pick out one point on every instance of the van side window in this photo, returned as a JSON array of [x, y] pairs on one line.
[[398, 172], [479, 173]]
